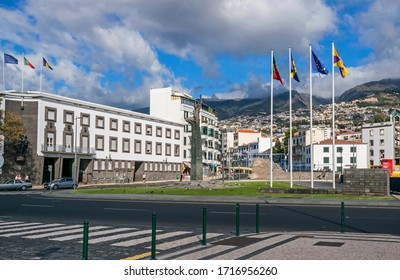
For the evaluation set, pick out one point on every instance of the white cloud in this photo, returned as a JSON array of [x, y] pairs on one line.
[[86, 40]]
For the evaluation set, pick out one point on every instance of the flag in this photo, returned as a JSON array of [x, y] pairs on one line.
[[26, 62], [46, 64], [276, 75], [293, 70], [10, 59], [317, 65], [337, 61]]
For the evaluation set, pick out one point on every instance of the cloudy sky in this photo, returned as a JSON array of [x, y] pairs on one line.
[[113, 52]]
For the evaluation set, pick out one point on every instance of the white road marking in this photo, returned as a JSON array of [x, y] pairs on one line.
[[118, 236], [184, 241], [64, 232], [148, 239], [97, 233], [29, 228], [38, 231], [37, 205]]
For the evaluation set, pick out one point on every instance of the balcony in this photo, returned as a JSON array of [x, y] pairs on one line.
[[67, 149]]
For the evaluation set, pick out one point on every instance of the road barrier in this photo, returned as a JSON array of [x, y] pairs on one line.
[[85, 240], [237, 219], [153, 235], [342, 219], [257, 218], [204, 241]]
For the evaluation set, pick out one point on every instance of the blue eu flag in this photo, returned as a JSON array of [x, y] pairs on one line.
[[317, 65], [10, 59]]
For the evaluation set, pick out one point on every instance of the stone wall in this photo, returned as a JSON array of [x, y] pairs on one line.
[[366, 181]]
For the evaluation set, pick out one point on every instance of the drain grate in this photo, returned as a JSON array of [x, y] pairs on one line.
[[237, 241], [329, 244]]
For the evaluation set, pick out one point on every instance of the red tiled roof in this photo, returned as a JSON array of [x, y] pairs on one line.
[[339, 142], [247, 131]]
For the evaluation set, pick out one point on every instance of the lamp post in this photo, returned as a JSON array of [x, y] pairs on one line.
[[75, 149], [107, 163]]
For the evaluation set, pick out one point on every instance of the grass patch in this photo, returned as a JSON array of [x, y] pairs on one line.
[[251, 189]]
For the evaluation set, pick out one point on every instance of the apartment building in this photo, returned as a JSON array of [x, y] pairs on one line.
[[349, 154], [108, 143], [302, 143], [176, 106], [380, 138]]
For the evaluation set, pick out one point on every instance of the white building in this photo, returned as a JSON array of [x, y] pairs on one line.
[[109, 143], [176, 106], [380, 140], [301, 145], [349, 154]]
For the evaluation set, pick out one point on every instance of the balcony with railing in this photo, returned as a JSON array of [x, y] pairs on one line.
[[67, 149]]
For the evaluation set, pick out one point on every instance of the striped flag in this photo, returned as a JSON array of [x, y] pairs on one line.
[[46, 64], [26, 62]]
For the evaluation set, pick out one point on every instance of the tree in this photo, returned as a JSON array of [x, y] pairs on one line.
[[13, 132], [381, 117], [278, 149]]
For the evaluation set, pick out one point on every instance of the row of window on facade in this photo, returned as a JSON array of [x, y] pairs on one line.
[[353, 149], [381, 132], [113, 145], [128, 166], [51, 115]]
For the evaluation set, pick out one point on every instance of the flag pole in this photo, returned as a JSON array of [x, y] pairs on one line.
[[272, 107], [4, 83], [290, 119], [333, 119], [41, 73], [311, 125], [22, 74]]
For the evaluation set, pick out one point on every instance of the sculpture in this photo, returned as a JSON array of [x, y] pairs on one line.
[[196, 170]]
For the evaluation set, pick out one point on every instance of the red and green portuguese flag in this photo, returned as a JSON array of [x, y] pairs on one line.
[[276, 74], [26, 62]]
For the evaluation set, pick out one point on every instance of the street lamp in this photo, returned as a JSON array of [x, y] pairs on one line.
[[107, 163], [75, 149]]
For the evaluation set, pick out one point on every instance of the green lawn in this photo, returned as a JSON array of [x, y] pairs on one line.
[[231, 189]]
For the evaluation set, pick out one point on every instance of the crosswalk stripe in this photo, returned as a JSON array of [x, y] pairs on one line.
[[28, 228], [38, 231], [20, 224], [9, 223], [118, 236], [185, 241], [63, 232], [148, 239], [97, 233]]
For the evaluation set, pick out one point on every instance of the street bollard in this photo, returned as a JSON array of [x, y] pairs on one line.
[[342, 220], [153, 235], [85, 240], [257, 218], [204, 242], [237, 219]]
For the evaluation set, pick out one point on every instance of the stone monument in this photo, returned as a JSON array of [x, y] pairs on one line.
[[196, 170]]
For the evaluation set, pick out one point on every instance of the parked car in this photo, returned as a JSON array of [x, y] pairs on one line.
[[62, 183], [16, 185]]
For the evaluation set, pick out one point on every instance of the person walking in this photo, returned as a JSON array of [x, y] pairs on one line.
[[144, 178]]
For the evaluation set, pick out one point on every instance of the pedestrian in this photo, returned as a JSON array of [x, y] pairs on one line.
[[19, 177], [144, 178], [26, 178]]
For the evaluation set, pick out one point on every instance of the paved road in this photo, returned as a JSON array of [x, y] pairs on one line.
[[52, 239]]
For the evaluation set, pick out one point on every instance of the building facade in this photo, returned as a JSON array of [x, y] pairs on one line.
[[177, 106], [107, 143], [380, 139], [349, 154]]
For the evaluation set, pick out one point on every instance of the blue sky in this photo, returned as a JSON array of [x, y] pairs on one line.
[[114, 52]]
